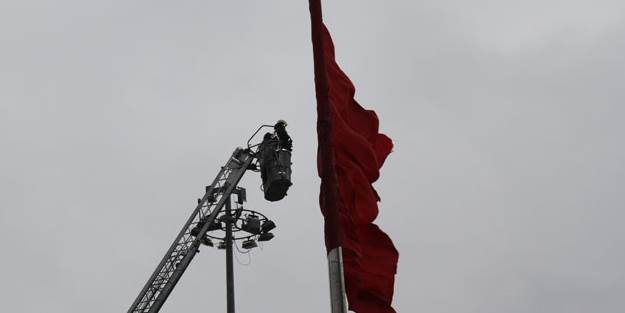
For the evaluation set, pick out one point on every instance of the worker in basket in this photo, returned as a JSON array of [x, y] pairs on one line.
[[274, 156]]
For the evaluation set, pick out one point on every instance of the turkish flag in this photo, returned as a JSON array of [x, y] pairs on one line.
[[350, 154]]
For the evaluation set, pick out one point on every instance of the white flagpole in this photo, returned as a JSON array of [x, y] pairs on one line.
[[338, 301]]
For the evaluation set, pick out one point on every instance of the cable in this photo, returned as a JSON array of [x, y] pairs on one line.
[[239, 249], [249, 256]]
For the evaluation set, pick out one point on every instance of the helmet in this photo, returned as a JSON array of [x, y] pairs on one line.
[[281, 122]]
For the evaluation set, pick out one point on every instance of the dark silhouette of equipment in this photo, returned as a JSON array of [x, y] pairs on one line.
[[275, 162]]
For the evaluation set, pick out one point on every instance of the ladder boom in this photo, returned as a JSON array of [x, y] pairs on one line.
[[186, 245]]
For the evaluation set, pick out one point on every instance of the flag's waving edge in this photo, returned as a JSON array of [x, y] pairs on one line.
[[350, 155]]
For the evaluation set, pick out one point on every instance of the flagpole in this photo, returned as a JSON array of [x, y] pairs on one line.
[[337, 282], [324, 126]]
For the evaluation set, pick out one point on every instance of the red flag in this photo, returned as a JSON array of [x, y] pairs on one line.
[[350, 154]]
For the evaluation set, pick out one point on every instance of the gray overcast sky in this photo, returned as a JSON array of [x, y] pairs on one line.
[[504, 192]]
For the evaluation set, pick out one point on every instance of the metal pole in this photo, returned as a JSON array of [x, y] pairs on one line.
[[229, 265], [337, 283]]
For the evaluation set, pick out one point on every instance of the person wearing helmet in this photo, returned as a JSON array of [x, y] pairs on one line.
[[283, 136], [275, 162]]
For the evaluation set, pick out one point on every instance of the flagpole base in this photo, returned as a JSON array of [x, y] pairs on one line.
[[338, 301]]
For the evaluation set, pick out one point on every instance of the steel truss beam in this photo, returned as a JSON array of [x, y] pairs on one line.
[[185, 246]]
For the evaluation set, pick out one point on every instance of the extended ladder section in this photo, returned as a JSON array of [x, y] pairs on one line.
[[186, 245]]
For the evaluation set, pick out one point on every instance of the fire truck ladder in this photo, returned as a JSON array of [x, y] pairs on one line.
[[187, 243]]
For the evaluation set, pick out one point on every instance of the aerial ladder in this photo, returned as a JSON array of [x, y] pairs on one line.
[[217, 196]]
